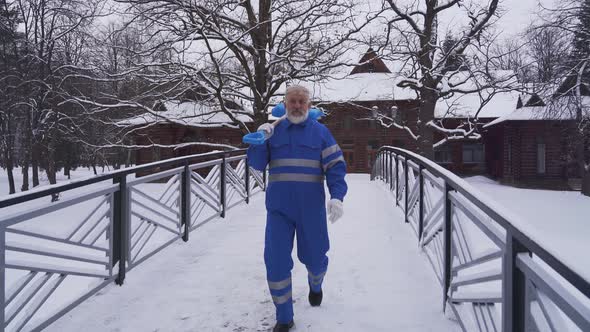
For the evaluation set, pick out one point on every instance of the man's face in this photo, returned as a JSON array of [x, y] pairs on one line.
[[297, 104]]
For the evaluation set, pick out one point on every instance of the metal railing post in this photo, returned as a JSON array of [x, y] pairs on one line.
[[374, 167], [421, 206], [264, 178], [120, 237], [386, 171], [222, 187], [513, 287], [383, 167], [185, 201], [406, 188], [379, 159], [396, 181], [247, 180], [448, 237], [391, 171], [2, 275]]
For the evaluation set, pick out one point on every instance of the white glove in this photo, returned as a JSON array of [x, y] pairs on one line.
[[335, 210], [268, 129]]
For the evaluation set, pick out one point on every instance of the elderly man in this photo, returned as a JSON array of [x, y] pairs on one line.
[[301, 153]]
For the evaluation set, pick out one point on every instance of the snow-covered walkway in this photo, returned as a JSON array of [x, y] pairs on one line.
[[377, 280]]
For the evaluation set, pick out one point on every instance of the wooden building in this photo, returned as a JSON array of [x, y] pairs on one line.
[[163, 134], [371, 87], [515, 146], [533, 144], [353, 101]]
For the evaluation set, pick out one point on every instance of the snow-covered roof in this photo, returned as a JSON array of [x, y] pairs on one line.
[[467, 105], [188, 113], [526, 113], [360, 87], [558, 110]]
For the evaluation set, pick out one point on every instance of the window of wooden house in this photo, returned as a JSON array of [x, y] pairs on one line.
[[473, 153], [347, 147], [348, 157], [394, 113], [373, 124], [541, 158], [508, 165], [443, 154], [348, 122], [398, 115]]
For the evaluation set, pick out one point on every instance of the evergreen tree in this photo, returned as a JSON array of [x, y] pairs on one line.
[[581, 61], [581, 43]]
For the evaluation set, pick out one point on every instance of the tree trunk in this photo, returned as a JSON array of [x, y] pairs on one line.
[[27, 150], [580, 159], [426, 139], [128, 159], [67, 170], [35, 167], [51, 167], [51, 175], [25, 171], [9, 164], [9, 168]]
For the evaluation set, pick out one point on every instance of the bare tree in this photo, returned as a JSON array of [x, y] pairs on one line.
[[234, 57], [549, 49], [51, 42], [513, 55], [413, 35]]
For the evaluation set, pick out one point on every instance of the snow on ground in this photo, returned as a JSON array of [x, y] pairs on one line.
[[377, 279], [79, 173], [560, 219]]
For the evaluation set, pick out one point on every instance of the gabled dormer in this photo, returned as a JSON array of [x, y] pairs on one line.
[[370, 63]]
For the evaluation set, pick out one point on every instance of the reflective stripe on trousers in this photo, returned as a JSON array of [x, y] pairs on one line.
[[295, 177]]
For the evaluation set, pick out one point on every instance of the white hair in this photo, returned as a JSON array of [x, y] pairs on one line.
[[298, 89]]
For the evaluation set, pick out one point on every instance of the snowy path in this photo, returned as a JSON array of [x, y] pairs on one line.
[[377, 279]]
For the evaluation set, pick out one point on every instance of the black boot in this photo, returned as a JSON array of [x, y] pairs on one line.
[[315, 299], [283, 327]]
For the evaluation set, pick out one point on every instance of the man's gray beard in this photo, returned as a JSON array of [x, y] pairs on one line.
[[297, 119]]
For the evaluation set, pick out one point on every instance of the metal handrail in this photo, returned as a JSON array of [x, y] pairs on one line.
[[514, 277], [55, 189], [107, 227]]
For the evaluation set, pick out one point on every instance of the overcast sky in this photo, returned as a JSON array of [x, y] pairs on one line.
[[516, 16]]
